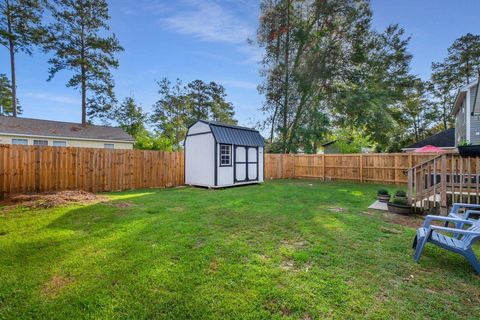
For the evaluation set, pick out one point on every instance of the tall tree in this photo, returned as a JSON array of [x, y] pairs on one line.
[[20, 30], [170, 112], [461, 66], [375, 86], [80, 44], [208, 101], [462, 63], [442, 97], [417, 112], [324, 56], [131, 117], [6, 96], [180, 105]]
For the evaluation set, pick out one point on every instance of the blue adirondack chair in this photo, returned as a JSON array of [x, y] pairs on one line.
[[470, 209], [466, 215], [431, 233]]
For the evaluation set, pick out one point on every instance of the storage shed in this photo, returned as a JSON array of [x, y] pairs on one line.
[[222, 155]]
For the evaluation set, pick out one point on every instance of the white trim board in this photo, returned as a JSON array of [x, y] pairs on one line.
[[63, 138]]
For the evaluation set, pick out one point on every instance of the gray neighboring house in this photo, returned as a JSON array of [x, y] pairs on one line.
[[466, 110], [25, 131], [331, 147]]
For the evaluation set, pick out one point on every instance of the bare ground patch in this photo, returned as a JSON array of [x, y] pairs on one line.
[[292, 266], [52, 199], [292, 244], [121, 204], [412, 221], [54, 286]]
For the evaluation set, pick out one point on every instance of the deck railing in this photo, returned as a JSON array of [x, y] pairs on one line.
[[443, 180]]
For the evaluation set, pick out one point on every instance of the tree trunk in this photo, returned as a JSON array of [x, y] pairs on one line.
[[445, 118], [287, 76], [14, 80], [84, 98], [468, 71], [11, 45], [84, 76]]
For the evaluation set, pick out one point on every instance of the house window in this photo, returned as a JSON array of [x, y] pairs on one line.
[[59, 143], [225, 155], [40, 142], [108, 146], [20, 141]]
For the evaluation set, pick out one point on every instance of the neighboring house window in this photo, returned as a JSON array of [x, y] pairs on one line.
[[225, 155], [108, 146], [20, 141], [40, 142], [59, 143]]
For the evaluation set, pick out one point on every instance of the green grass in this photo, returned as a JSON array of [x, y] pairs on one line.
[[270, 251]]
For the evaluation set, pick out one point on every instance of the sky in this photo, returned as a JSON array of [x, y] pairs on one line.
[[207, 40]]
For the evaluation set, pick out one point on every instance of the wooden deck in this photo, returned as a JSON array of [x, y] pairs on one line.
[[443, 180]]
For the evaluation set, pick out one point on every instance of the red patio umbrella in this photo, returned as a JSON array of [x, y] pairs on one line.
[[428, 148]]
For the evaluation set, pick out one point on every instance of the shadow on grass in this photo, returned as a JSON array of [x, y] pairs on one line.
[[195, 253]]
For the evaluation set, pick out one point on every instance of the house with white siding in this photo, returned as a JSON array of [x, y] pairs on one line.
[[466, 110], [25, 131]]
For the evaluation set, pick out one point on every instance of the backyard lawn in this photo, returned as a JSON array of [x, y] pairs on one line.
[[285, 249]]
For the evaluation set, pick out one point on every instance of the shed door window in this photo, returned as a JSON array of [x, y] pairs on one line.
[[225, 155], [40, 142], [108, 146], [20, 141]]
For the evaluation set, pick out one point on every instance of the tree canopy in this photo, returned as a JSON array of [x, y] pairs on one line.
[[181, 105], [81, 45]]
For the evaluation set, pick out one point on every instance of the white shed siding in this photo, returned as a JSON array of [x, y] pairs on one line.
[[203, 147], [260, 164], [199, 127], [199, 159]]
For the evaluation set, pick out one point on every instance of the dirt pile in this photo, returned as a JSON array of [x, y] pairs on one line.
[[52, 199]]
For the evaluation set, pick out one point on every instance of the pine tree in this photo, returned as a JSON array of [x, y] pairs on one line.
[[20, 30], [81, 46], [181, 105], [462, 64], [6, 96], [131, 117]]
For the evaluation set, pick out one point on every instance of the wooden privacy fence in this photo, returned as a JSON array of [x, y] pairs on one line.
[[35, 169], [390, 168], [38, 169]]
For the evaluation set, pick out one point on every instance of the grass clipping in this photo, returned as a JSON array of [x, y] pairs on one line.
[[53, 199]]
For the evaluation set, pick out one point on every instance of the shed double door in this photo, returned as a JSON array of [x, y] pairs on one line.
[[246, 164]]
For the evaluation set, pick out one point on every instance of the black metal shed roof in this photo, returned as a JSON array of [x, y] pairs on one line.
[[444, 139], [230, 134]]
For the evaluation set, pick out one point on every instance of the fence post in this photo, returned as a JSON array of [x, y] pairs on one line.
[[293, 166], [37, 169], [361, 167], [323, 166], [443, 184], [410, 185]]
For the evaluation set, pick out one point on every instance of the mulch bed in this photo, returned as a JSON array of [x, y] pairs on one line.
[[52, 199]]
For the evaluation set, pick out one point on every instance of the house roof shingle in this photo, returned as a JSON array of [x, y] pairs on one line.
[[48, 128], [444, 139]]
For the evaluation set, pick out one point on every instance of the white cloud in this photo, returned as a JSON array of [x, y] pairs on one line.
[[54, 98], [212, 21], [209, 21]]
